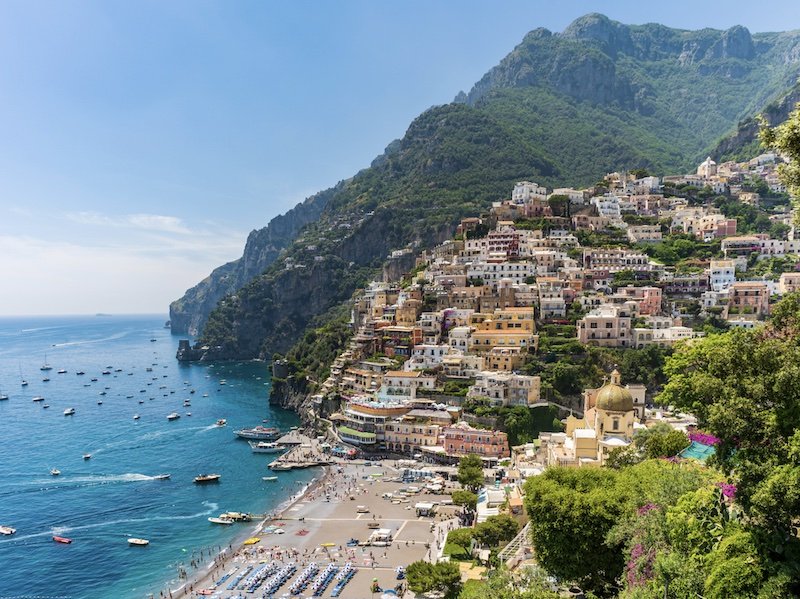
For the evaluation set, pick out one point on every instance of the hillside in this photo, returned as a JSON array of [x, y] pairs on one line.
[[560, 109]]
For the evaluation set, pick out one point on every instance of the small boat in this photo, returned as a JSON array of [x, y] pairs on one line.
[[62, 371], [64, 540], [45, 366], [46, 380], [99, 402], [136, 416], [87, 456], [153, 340], [94, 380], [221, 422], [226, 521], [266, 447], [3, 397], [188, 413], [45, 406], [269, 478], [173, 416], [103, 393], [138, 542], [69, 411], [237, 516], [38, 398], [207, 478], [24, 383], [161, 476], [252, 541], [258, 433], [80, 373], [7, 530], [106, 372], [55, 471]]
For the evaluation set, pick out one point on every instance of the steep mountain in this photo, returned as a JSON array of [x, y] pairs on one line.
[[743, 143], [560, 109], [189, 313]]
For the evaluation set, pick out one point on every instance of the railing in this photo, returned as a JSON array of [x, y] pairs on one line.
[[517, 543]]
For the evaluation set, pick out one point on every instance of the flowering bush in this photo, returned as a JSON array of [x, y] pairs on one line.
[[728, 490], [704, 438], [646, 508]]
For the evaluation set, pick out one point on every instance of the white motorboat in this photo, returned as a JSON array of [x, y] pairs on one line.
[[7, 530], [266, 447], [138, 542], [69, 411], [226, 521], [55, 471], [173, 416]]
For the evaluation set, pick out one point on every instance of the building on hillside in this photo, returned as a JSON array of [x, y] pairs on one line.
[[644, 233], [789, 282], [506, 388], [747, 299], [461, 439], [722, 274], [606, 326]]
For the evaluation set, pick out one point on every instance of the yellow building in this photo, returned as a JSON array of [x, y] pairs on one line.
[[506, 327], [606, 425]]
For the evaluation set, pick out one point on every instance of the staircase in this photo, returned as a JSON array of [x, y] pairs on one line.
[[516, 545]]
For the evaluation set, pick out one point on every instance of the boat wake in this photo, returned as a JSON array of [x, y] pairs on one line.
[[210, 506], [113, 337]]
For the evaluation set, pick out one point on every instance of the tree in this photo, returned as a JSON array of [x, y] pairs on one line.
[[502, 585], [461, 537], [467, 499], [443, 577], [470, 472], [496, 530], [785, 139]]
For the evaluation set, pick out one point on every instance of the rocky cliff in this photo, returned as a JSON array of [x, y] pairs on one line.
[[188, 314]]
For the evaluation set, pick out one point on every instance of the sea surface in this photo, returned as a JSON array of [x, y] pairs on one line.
[[100, 502]]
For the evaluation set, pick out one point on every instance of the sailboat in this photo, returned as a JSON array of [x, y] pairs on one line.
[[45, 366]]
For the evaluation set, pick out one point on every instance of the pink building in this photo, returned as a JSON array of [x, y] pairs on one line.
[[462, 439]]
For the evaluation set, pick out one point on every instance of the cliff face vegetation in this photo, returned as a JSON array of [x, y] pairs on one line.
[[558, 110]]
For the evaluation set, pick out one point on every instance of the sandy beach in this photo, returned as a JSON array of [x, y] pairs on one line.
[[346, 503]]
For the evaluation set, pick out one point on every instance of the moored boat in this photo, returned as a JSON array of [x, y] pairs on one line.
[[38, 398], [269, 478], [138, 542], [237, 516], [136, 416], [55, 471], [207, 478], [87, 456], [259, 433], [64, 540], [69, 411], [173, 416], [266, 447], [7, 530], [226, 521]]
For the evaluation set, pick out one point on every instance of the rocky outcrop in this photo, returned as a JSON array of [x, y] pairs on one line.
[[743, 142], [189, 313]]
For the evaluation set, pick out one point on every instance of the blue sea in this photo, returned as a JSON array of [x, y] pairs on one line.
[[100, 502]]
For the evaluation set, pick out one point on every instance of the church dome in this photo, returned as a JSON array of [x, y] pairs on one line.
[[613, 397]]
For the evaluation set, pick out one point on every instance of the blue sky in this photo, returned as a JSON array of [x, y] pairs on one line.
[[141, 141]]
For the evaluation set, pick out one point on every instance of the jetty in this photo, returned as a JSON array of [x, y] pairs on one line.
[[305, 452]]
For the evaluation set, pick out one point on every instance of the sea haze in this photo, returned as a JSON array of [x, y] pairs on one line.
[[102, 501]]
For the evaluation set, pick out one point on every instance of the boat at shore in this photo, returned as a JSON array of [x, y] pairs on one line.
[[207, 478], [226, 521], [279, 466], [269, 478], [266, 447], [237, 516], [63, 540], [259, 433], [7, 530], [138, 542]]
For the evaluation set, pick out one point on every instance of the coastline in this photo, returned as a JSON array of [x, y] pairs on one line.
[[206, 569], [331, 523]]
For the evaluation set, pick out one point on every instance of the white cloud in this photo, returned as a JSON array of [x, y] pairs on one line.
[[146, 222], [41, 276]]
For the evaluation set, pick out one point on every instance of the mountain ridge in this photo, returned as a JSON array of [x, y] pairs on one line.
[[560, 109]]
